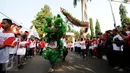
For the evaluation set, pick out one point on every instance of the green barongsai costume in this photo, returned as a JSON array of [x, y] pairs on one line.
[[55, 29]]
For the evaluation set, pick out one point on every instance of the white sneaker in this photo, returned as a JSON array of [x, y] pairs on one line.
[[51, 70], [121, 70], [116, 67]]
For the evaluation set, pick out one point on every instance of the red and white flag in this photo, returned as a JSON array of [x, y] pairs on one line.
[[10, 41]]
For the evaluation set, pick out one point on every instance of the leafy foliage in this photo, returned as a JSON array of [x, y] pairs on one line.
[[91, 27], [88, 35], [69, 25], [40, 19], [125, 1], [123, 15], [31, 26], [97, 28]]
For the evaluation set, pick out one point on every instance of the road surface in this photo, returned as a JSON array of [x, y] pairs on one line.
[[73, 64]]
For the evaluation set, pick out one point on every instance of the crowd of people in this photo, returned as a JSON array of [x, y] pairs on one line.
[[16, 47], [113, 45]]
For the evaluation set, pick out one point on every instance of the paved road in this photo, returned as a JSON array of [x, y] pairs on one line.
[[73, 64], [35, 65]]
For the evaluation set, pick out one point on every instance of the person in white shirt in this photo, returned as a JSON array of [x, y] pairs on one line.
[[4, 50], [13, 54], [83, 47], [117, 51], [65, 49], [21, 51], [31, 48]]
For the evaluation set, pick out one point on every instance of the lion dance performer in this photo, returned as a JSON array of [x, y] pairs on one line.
[[55, 29]]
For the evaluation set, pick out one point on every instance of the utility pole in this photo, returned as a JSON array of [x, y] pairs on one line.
[[112, 13]]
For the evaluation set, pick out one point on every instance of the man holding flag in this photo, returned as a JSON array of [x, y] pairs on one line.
[[6, 39]]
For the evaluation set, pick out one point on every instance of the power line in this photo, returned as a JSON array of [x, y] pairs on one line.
[[13, 20], [19, 24]]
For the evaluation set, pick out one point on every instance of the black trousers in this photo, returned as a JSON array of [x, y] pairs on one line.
[[26, 54], [41, 51], [127, 58], [92, 53], [52, 64], [110, 57], [3, 68], [76, 49], [79, 50], [65, 52], [83, 51], [31, 52], [118, 59], [71, 49]]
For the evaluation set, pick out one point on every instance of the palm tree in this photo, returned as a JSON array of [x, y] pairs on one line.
[[82, 6], [83, 9]]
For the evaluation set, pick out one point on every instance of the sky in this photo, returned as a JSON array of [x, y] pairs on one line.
[[24, 11]]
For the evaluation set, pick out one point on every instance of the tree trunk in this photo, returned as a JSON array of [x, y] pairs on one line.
[[82, 9]]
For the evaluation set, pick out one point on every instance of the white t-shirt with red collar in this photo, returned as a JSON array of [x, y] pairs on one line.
[[13, 50], [32, 44], [115, 47], [4, 53], [82, 45]]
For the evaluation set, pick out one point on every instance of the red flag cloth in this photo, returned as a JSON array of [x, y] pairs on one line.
[[127, 38], [104, 36], [28, 43], [9, 41], [14, 43], [0, 25], [42, 44]]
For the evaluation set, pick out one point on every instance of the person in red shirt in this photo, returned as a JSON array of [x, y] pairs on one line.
[[126, 48], [42, 46]]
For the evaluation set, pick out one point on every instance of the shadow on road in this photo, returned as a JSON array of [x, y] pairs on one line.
[[74, 64]]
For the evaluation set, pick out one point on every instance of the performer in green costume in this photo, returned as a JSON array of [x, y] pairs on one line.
[[55, 29]]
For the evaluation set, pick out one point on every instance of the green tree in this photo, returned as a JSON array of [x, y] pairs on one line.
[[91, 27], [39, 20], [88, 35], [125, 1], [31, 26], [68, 25], [123, 15], [97, 28]]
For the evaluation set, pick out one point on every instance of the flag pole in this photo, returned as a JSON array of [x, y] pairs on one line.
[[112, 13]]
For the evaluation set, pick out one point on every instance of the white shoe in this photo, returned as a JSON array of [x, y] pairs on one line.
[[121, 70], [116, 67], [51, 70], [93, 56]]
